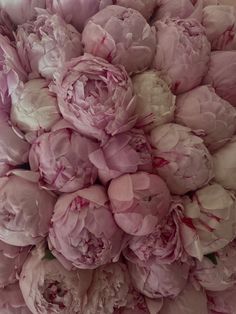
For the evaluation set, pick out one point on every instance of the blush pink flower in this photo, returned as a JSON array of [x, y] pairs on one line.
[[121, 36], [25, 209], [122, 153], [182, 52], [222, 302], [83, 232], [181, 158], [96, 97], [139, 202], [208, 115], [168, 8], [145, 7]]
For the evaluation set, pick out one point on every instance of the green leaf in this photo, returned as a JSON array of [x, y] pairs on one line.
[[212, 258], [48, 255]]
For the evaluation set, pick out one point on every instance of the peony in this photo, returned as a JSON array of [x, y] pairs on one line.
[[121, 36], [11, 301], [139, 202], [163, 244], [25, 209], [211, 212], [145, 7], [225, 165], [46, 44], [61, 158], [155, 102], [122, 153], [109, 289], [222, 302], [181, 158], [47, 287], [96, 97], [169, 8], [187, 302], [34, 107], [12, 259], [222, 74], [219, 22], [182, 53], [157, 280], [208, 115], [83, 232]]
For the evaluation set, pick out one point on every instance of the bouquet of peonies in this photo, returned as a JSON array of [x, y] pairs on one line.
[[117, 157]]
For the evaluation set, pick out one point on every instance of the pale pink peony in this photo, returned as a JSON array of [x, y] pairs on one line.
[[11, 301], [122, 153], [182, 52], [190, 301], [121, 36], [61, 158], [48, 287], [157, 280], [25, 209], [139, 202], [109, 289], [225, 165], [222, 74], [145, 7], [169, 8], [181, 158], [208, 115], [212, 220], [155, 103], [164, 244], [83, 232], [46, 44], [222, 302], [96, 97]]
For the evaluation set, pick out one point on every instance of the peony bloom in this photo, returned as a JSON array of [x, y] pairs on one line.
[[109, 289], [48, 287], [83, 232], [121, 36], [157, 280], [225, 165], [188, 302], [11, 301], [14, 150], [164, 244], [181, 158], [222, 74], [155, 102], [122, 153], [212, 219], [12, 259], [25, 209], [169, 8], [96, 97], [46, 44], [61, 157], [34, 108], [182, 53], [220, 24], [145, 7], [219, 274], [208, 115], [139, 202], [222, 302]]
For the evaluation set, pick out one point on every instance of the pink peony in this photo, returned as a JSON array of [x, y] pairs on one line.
[[164, 244], [222, 74], [47, 43], [83, 232], [61, 157], [11, 301], [12, 259], [121, 36], [145, 7], [47, 287], [122, 153], [211, 214], [157, 280], [155, 102], [181, 158], [25, 209], [139, 202], [223, 302], [182, 53], [169, 8], [208, 115], [96, 97]]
